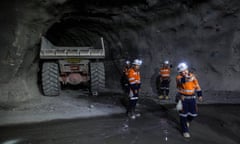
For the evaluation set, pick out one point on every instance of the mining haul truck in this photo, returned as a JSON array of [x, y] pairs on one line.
[[71, 65]]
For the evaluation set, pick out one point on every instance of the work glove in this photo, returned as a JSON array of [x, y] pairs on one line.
[[200, 98]]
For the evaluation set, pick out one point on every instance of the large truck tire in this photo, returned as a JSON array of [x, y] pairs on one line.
[[97, 77], [50, 79]]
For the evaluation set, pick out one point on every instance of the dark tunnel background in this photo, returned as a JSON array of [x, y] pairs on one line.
[[205, 34]]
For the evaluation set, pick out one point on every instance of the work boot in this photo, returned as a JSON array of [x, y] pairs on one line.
[[186, 135], [133, 116], [137, 114], [161, 97]]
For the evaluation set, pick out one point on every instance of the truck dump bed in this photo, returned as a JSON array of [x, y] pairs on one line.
[[50, 51]]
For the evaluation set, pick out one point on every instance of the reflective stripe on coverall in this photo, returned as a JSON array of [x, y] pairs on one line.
[[164, 72]]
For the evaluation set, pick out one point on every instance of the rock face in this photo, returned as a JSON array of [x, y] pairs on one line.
[[205, 34]]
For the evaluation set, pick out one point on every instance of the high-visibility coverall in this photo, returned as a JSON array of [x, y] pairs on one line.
[[135, 84], [164, 81], [187, 87]]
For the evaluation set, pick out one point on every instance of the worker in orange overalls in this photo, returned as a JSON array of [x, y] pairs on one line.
[[187, 86], [164, 80], [134, 84]]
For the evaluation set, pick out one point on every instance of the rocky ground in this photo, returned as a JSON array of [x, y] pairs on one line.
[[159, 122], [70, 104]]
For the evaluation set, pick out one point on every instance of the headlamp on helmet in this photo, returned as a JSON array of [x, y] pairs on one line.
[[127, 62]]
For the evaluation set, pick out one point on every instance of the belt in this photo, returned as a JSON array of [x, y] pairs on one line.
[[189, 97]]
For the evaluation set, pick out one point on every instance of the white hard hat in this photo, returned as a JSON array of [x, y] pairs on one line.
[[137, 62], [127, 62], [140, 62], [166, 62], [181, 67]]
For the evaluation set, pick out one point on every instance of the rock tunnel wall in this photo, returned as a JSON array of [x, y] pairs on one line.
[[205, 34]]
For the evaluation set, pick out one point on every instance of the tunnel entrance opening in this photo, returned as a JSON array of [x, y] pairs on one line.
[[71, 32], [72, 56]]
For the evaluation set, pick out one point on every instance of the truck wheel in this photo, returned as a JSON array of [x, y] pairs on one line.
[[50, 79], [97, 72]]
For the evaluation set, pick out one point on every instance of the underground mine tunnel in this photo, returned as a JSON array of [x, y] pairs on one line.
[[203, 33]]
